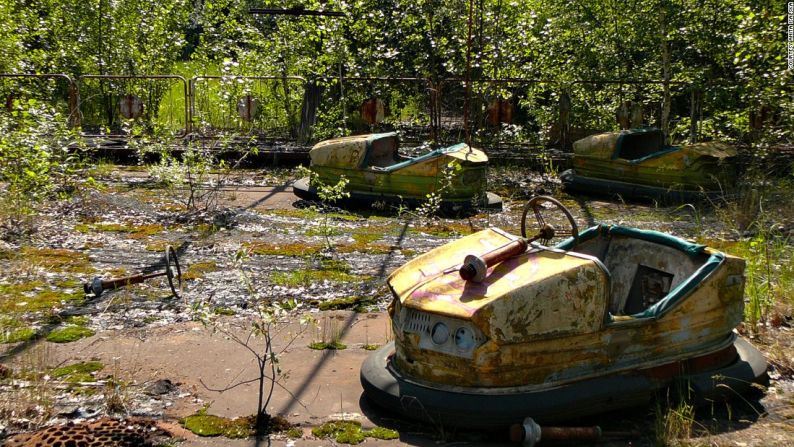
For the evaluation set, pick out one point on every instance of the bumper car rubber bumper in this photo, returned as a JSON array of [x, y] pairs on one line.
[[480, 408]]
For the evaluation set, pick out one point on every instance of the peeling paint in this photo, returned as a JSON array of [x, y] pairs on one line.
[[372, 164], [703, 165], [546, 314]]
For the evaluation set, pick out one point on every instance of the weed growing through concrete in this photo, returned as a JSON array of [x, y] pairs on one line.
[[328, 194], [327, 335], [267, 322]]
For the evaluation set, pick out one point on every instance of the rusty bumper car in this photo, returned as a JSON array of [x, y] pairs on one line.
[[376, 171], [637, 163], [493, 327]]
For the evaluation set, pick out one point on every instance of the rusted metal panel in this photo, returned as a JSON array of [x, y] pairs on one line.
[[691, 167], [545, 314], [372, 165], [339, 152]]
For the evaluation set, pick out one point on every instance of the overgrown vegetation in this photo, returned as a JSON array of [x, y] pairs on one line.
[[37, 161]]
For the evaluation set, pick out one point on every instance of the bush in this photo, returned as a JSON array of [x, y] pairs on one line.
[[35, 159]]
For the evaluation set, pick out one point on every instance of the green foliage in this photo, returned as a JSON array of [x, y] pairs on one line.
[[737, 55], [432, 204], [196, 171], [35, 157]]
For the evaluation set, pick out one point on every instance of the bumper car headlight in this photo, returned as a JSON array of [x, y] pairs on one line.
[[439, 334], [464, 338]]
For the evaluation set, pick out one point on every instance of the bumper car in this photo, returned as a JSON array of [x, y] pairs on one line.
[[378, 172], [637, 163], [495, 327]]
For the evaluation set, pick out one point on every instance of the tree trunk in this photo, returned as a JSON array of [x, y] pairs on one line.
[[311, 100], [665, 78]]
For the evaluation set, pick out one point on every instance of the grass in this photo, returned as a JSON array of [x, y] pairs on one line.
[[673, 423], [769, 274]]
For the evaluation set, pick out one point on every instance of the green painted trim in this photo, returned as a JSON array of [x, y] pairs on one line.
[[664, 151], [432, 154], [658, 237], [682, 290]]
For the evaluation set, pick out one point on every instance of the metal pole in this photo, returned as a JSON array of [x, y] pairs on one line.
[[467, 99]]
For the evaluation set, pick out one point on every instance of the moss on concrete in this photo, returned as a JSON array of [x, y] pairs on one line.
[[224, 311], [330, 346], [69, 334], [57, 259], [17, 335], [350, 432], [312, 214], [203, 424], [157, 246], [343, 432], [132, 230], [199, 269], [305, 277], [295, 249], [357, 303], [35, 296], [77, 372], [294, 433], [444, 229], [382, 433]]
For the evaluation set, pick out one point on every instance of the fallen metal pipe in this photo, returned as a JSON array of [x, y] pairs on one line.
[[529, 433], [99, 285], [475, 267]]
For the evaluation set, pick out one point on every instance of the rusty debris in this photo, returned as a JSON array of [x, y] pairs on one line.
[[172, 271]]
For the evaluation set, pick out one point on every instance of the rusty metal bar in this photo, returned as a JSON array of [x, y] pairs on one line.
[[74, 92], [530, 433], [144, 77], [192, 86]]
